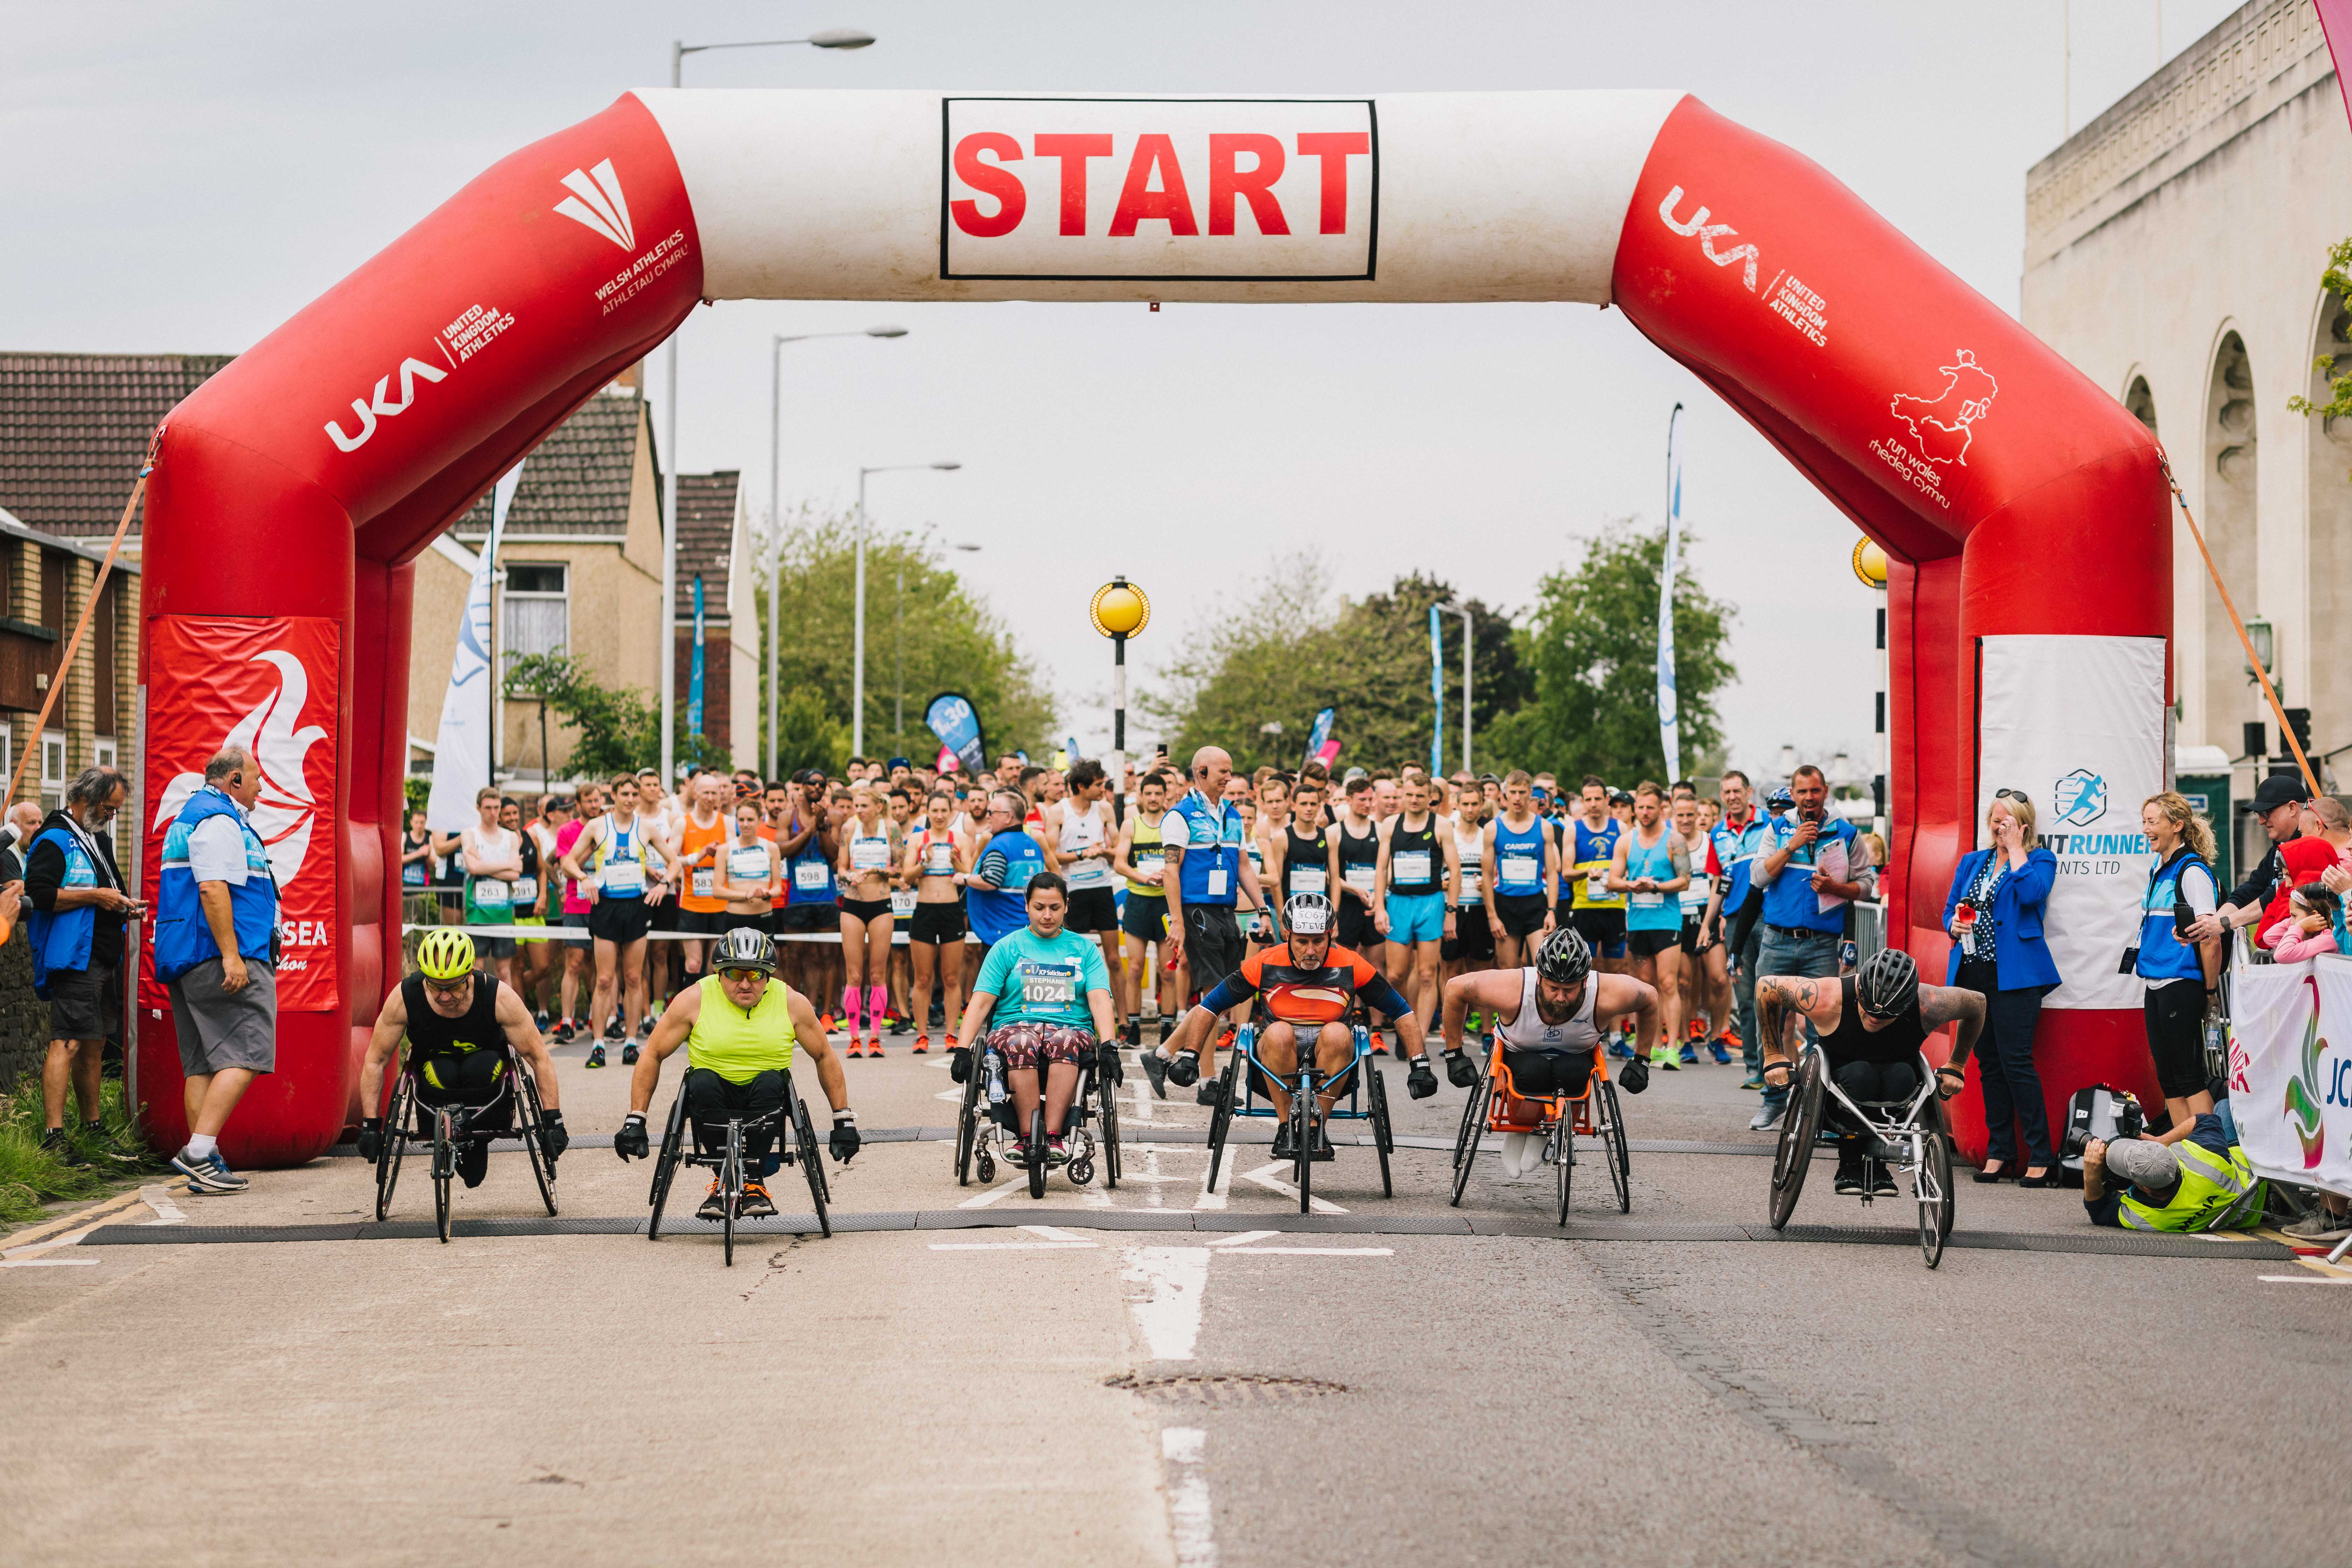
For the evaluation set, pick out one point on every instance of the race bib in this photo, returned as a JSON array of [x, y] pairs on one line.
[[1596, 884], [1694, 897], [493, 894], [413, 874], [623, 879], [1152, 865], [1410, 866], [1648, 901], [1361, 876], [1220, 881], [902, 903], [526, 889], [869, 854], [939, 859], [1258, 859], [706, 881], [1309, 879], [1049, 984], [1519, 869], [1471, 883], [809, 876], [747, 865], [1088, 874]]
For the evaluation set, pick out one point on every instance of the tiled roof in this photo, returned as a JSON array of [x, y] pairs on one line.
[[705, 529], [577, 480], [73, 428]]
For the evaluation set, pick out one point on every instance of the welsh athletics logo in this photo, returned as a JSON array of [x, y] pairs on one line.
[[2080, 798], [2303, 1092]]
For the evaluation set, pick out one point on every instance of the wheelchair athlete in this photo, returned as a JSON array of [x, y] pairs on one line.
[[456, 1020], [739, 1025], [1549, 1019], [1310, 985], [1037, 992], [1872, 1026]]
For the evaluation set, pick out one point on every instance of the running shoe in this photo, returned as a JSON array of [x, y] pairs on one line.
[[1690, 1056], [1619, 1048], [899, 1024], [1155, 1068], [922, 1044], [938, 1016], [1722, 1052], [1753, 1083], [874, 1046], [1767, 1119], [58, 1146], [1849, 1177], [596, 1055], [1133, 1034], [1212, 1092], [563, 1034], [208, 1173], [1167, 1027], [629, 1055], [856, 1048], [1882, 1180], [714, 1207], [539, 1020], [757, 1204], [828, 1023], [1697, 1030], [1284, 1144], [1662, 1058], [1323, 1149], [2319, 1225], [474, 1162], [646, 1026]]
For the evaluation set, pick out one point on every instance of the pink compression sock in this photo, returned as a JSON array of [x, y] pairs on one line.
[[849, 1009], [878, 1002]]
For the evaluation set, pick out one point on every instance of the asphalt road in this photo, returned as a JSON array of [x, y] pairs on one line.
[[1240, 1387]]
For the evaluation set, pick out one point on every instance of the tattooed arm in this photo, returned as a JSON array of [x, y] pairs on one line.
[[1941, 1004], [1777, 996]]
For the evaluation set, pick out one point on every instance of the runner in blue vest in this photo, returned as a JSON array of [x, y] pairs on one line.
[[1650, 867]]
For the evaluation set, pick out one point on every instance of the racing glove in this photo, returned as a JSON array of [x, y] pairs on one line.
[[1460, 1070], [845, 1139], [1107, 1062], [552, 1137], [1950, 1080], [1634, 1075], [1184, 1069], [371, 1139], [629, 1142], [960, 1064], [1419, 1082]]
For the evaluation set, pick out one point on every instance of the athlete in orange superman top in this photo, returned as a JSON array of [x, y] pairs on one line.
[[1311, 985]]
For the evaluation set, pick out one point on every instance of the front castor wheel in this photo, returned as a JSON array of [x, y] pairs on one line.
[[987, 1164]]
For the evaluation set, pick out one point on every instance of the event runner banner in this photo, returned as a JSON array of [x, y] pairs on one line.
[[266, 683], [1670, 730], [2077, 724], [2290, 1076], [953, 720]]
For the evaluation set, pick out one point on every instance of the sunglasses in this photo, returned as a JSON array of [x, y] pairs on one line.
[[449, 987], [2018, 794]]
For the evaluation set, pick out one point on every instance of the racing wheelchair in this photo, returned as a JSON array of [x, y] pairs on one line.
[[449, 1127], [988, 1126], [1367, 1101], [1907, 1135], [683, 1142], [1561, 1120]]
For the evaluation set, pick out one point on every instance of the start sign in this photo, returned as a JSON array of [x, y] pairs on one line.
[[1159, 190]]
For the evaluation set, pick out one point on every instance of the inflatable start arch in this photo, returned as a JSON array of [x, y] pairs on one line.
[[2022, 509]]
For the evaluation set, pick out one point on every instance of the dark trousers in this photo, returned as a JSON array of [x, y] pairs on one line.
[[2012, 1089], [1865, 1083], [714, 1101]]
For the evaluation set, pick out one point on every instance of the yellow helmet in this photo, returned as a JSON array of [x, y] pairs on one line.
[[445, 954]]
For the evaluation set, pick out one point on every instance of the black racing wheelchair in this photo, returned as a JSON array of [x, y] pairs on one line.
[[987, 1127], [513, 1109], [1907, 1135], [683, 1142]]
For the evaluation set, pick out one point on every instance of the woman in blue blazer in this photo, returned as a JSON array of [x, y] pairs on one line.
[[1994, 913]]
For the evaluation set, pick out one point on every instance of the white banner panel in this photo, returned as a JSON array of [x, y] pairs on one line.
[[2077, 724], [2290, 1083]]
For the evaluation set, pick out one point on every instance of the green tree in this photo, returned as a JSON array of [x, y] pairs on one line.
[[2337, 279], [809, 737], [1591, 640], [613, 731], [1294, 648], [951, 642]]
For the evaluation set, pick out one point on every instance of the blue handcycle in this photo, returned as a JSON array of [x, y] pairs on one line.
[[1245, 1077]]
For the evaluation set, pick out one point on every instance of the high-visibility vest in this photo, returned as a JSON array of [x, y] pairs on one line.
[[2217, 1193]]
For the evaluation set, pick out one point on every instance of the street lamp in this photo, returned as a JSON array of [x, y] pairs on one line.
[[857, 667], [1119, 610], [776, 499], [666, 655], [1455, 606]]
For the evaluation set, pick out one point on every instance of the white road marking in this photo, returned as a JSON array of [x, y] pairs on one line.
[[159, 1198], [2298, 1279], [1213, 1195], [1241, 1238], [1168, 1312], [1181, 1449], [1142, 1097], [994, 1193], [950, 1094], [44, 1262], [1264, 1177], [1309, 1251]]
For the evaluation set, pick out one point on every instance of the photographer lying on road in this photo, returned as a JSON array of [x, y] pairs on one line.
[[2204, 1182]]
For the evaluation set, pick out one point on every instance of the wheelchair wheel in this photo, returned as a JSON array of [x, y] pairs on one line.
[[731, 1186], [1302, 1137], [395, 1142], [670, 1151], [533, 1128], [1798, 1129], [1383, 1140], [967, 1127], [1931, 1183], [1564, 1162], [445, 1168], [1473, 1127], [1037, 1155], [1108, 1093], [1614, 1147], [1221, 1118], [811, 1161]]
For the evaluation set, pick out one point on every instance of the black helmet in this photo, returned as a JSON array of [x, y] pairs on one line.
[[1307, 914], [745, 948], [1888, 984], [1563, 959]]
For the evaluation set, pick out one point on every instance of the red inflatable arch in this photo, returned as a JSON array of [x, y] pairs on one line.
[[2015, 498]]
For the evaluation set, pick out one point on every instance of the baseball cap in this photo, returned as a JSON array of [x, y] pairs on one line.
[[2278, 790], [2144, 1163], [898, 762]]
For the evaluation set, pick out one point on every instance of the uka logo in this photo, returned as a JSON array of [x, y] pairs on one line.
[[410, 369], [1707, 233]]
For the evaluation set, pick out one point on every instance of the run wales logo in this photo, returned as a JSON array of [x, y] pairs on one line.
[[597, 203], [286, 811], [1942, 426], [2080, 798]]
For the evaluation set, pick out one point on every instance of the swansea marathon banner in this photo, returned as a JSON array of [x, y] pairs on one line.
[[2290, 1075], [266, 683], [951, 719], [2076, 723]]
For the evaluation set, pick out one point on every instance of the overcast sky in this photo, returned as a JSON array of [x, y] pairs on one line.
[[184, 177]]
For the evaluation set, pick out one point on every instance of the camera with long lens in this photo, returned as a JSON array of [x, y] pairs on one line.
[[2104, 1113]]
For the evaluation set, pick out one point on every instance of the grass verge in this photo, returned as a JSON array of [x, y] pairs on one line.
[[31, 1177]]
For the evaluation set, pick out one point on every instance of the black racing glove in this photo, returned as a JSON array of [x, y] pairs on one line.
[[1184, 1069], [1419, 1080], [629, 1142], [960, 1064], [1460, 1070], [552, 1137], [1951, 1080], [844, 1136], [371, 1139], [1107, 1062], [1634, 1075]]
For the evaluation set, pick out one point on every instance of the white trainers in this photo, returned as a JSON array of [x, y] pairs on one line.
[[1522, 1152], [2320, 1225]]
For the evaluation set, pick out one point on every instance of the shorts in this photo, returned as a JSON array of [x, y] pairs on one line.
[[1603, 929], [865, 909], [537, 921], [808, 920], [622, 921], [1416, 917], [763, 923], [477, 1079], [1548, 1073], [495, 946], [221, 1030], [1213, 945], [1689, 937], [1146, 916], [702, 923], [1474, 939], [85, 1003], [1650, 942], [1092, 909], [933, 924], [1356, 930], [2176, 1037], [575, 920], [1023, 1044], [1522, 913]]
